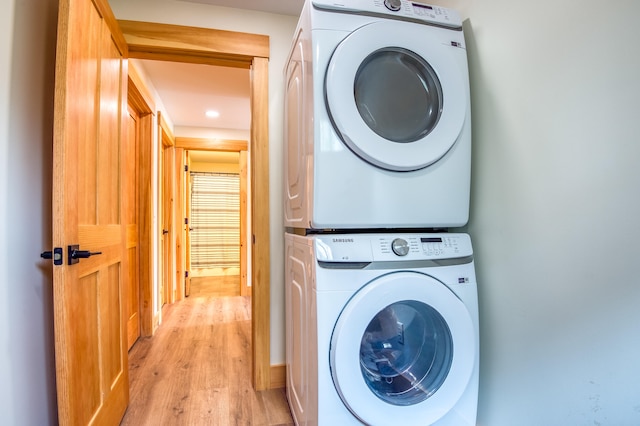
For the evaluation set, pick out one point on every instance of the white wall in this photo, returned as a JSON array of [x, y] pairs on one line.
[[555, 210], [6, 42], [27, 48], [280, 30]]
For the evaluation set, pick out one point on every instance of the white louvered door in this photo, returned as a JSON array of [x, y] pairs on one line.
[[215, 220]]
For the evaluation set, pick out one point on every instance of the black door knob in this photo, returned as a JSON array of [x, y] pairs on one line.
[[75, 254]]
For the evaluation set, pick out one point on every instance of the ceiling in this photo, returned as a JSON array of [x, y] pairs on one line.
[[187, 91], [283, 7]]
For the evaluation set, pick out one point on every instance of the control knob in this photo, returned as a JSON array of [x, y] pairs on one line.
[[393, 5], [400, 247]]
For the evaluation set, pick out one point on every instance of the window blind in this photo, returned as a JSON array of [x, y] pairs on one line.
[[215, 220]]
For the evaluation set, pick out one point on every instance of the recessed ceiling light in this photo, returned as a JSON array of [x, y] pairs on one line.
[[212, 114]]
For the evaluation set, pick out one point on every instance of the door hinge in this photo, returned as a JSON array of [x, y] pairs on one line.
[[186, 220], [186, 168], [55, 255], [186, 274]]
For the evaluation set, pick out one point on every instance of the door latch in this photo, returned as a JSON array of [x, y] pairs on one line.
[[75, 254], [55, 255]]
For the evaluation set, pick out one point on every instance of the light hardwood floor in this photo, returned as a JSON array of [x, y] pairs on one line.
[[215, 286], [196, 370]]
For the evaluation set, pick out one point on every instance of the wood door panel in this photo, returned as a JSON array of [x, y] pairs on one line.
[[84, 74], [91, 358], [108, 144], [132, 235], [84, 340], [130, 199], [133, 299], [111, 329], [102, 234]]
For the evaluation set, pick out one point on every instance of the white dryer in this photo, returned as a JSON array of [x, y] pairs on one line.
[[382, 329], [377, 117]]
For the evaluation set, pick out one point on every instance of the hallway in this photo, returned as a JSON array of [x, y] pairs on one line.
[[196, 370]]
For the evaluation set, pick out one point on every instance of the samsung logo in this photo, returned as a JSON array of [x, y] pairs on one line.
[[343, 240]]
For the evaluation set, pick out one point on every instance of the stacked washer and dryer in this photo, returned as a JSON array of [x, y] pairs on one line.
[[381, 299]]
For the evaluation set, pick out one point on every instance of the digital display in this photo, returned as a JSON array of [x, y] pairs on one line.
[[431, 240], [422, 6]]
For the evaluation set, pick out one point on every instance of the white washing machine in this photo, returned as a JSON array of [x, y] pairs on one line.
[[377, 117], [382, 329]]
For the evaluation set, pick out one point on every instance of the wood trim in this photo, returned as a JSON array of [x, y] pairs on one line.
[[139, 102], [166, 135], [142, 99], [166, 194], [245, 290], [260, 255], [187, 232], [104, 9], [179, 223], [164, 42], [200, 144], [278, 376], [162, 46]]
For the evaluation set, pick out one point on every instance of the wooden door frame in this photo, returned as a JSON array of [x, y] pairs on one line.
[[166, 199], [241, 50], [187, 228], [178, 223], [144, 103], [245, 290]]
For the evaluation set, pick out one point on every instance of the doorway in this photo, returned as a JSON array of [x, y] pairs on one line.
[[217, 217], [159, 41]]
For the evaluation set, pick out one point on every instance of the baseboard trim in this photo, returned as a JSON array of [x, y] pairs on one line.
[[278, 376]]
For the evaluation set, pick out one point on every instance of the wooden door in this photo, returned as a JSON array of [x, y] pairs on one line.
[[164, 231], [130, 199], [88, 210], [179, 223], [167, 208], [245, 289], [187, 229]]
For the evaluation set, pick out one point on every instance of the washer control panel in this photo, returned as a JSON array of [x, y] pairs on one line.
[[399, 9], [421, 247], [391, 247]]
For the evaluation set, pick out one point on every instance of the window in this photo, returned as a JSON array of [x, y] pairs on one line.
[[215, 220]]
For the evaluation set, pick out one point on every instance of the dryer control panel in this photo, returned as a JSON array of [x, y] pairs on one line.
[[391, 247], [397, 9]]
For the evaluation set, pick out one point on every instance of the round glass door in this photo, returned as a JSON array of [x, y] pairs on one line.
[[403, 347], [396, 94], [386, 83], [406, 352]]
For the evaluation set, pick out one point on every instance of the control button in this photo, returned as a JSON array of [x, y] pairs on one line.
[[393, 5], [400, 247]]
